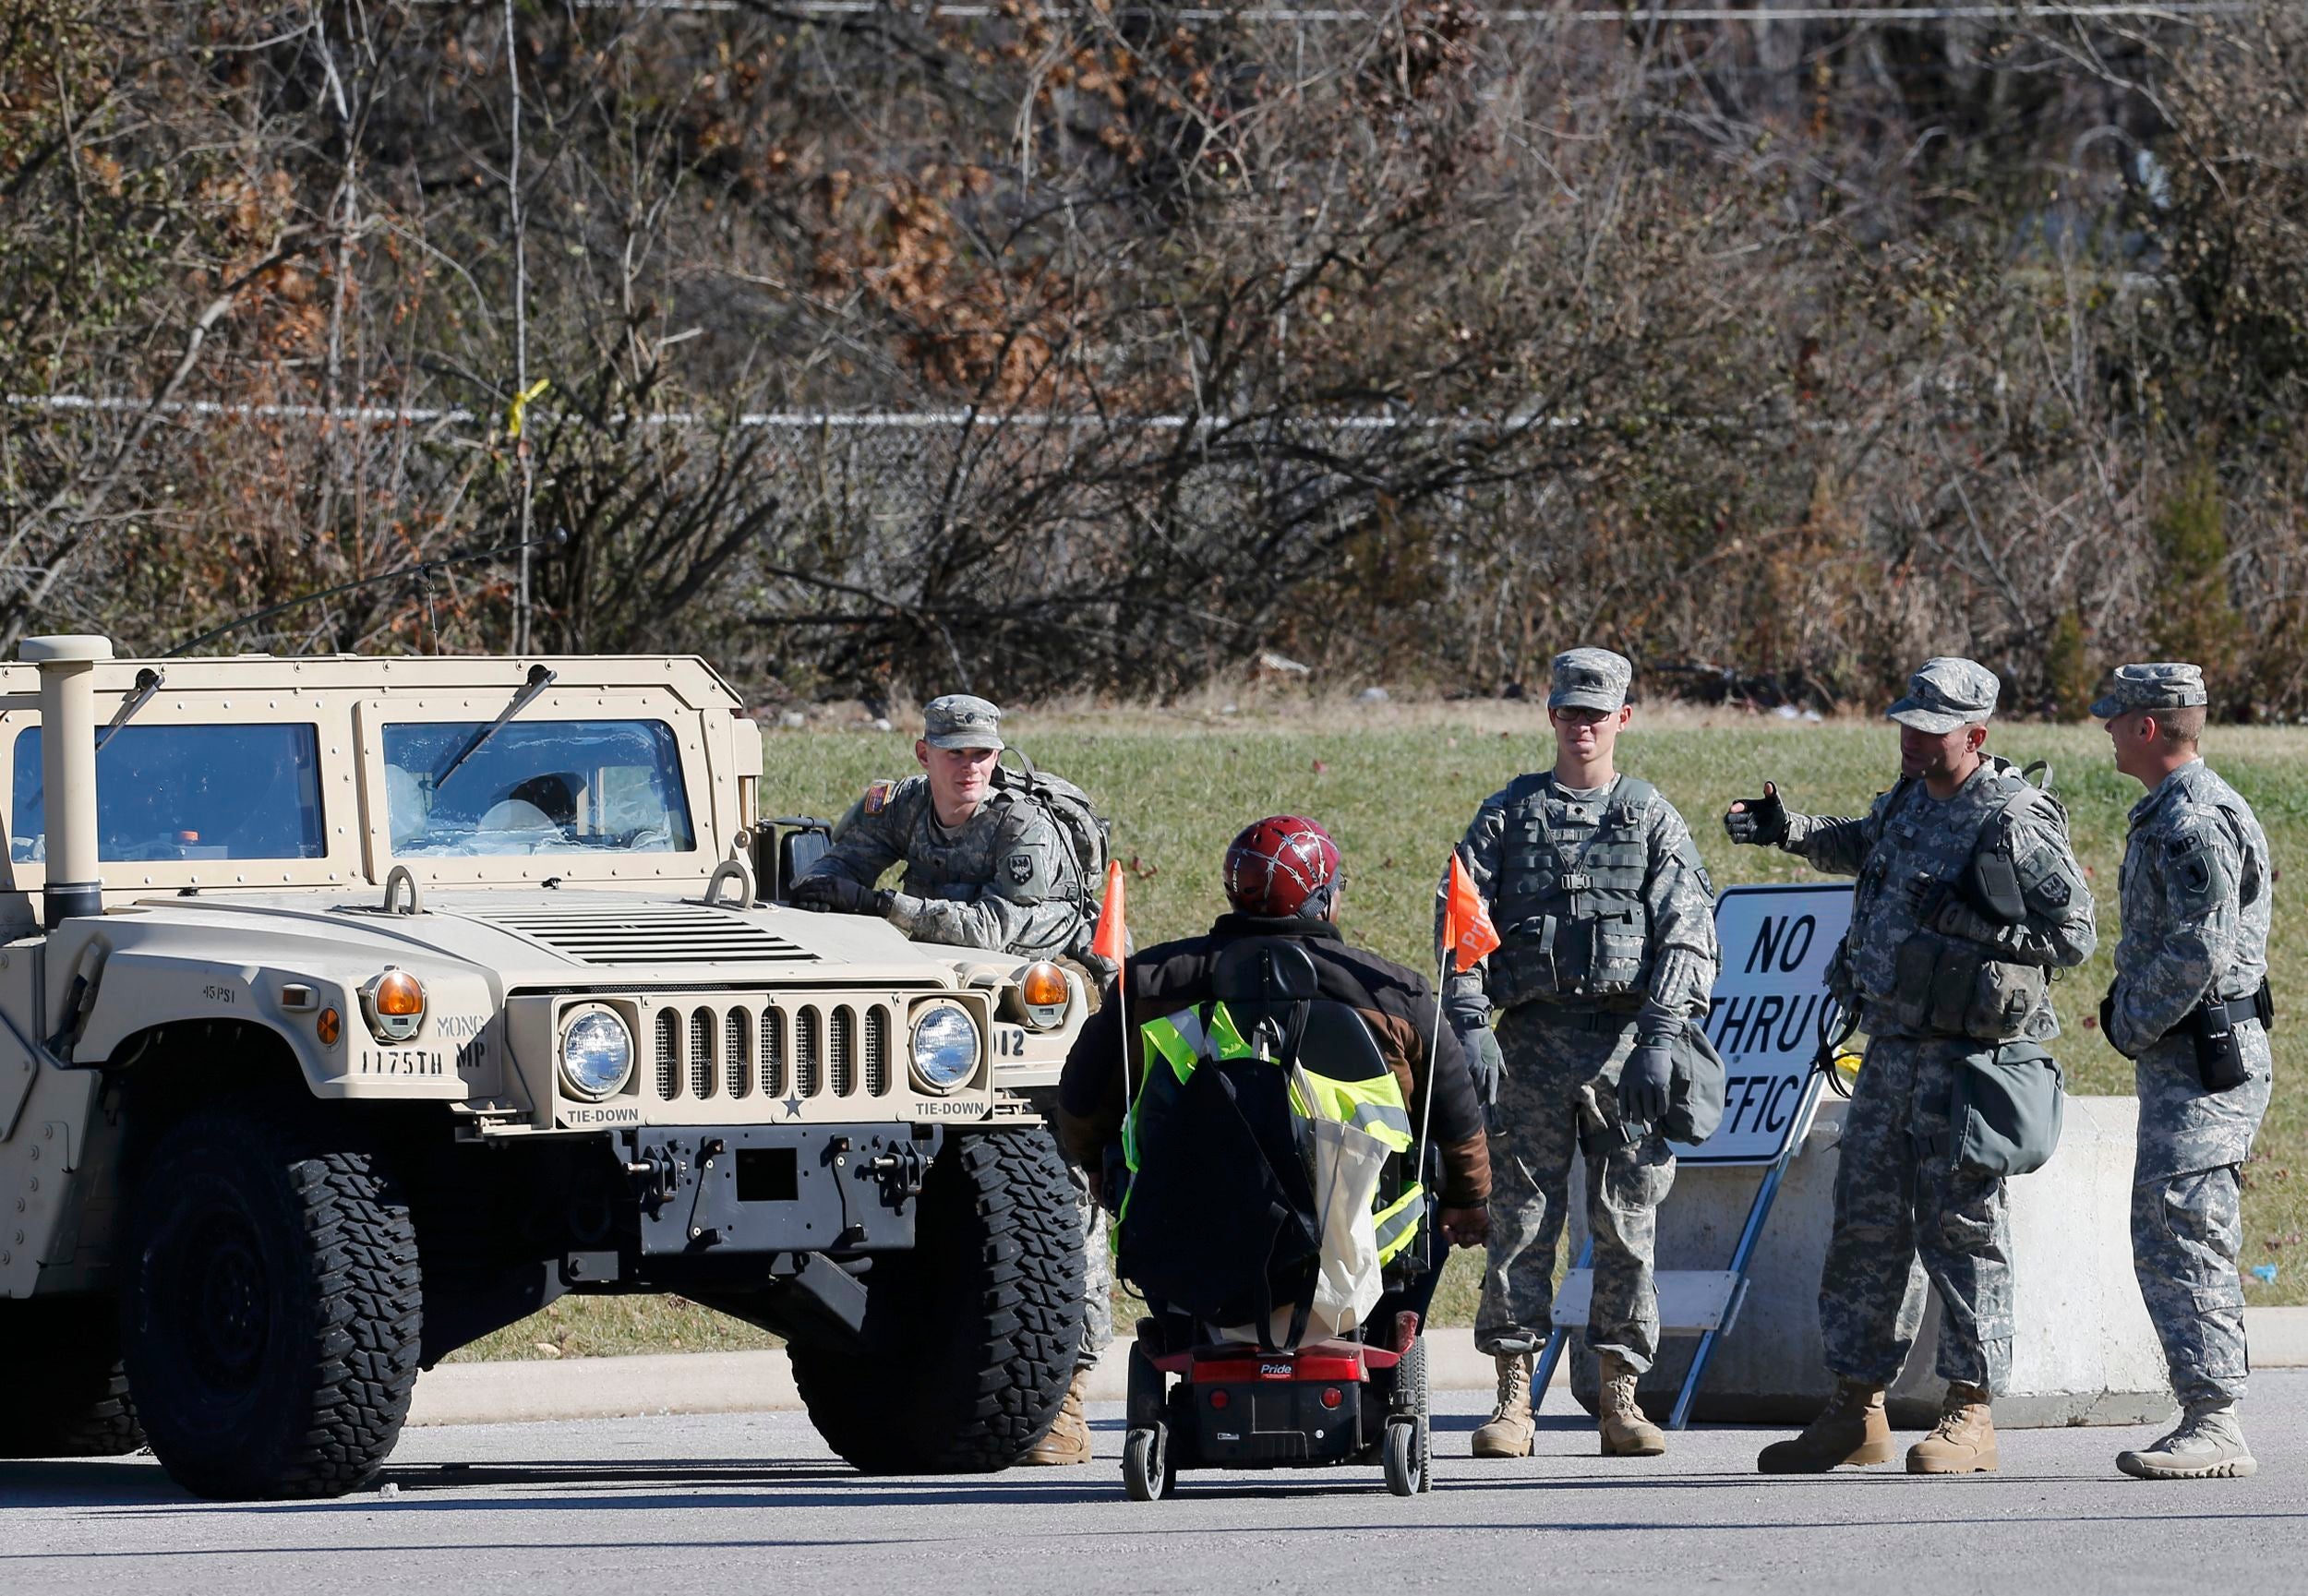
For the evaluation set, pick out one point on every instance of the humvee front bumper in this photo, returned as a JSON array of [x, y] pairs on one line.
[[715, 1192]]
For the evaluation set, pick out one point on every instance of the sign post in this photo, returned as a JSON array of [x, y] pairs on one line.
[[1768, 1016]]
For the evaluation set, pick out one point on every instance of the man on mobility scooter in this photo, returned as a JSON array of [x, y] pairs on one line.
[[1265, 1107]]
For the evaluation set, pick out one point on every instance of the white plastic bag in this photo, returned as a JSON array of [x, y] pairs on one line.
[[1345, 1165]]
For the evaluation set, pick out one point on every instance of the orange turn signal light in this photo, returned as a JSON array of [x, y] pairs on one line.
[[1043, 986], [400, 995], [328, 1026]]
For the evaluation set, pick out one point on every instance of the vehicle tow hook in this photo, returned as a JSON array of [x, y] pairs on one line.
[[656, 1175], [901, 1173]]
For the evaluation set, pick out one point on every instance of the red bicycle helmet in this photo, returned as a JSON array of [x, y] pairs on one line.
[[1279, 866]]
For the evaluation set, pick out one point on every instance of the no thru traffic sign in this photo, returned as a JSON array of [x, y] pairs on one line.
[[1770, 1013]]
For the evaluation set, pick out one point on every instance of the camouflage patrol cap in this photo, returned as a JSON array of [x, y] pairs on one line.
[[958, 720], [2169, 686], [1946, 693], [1590, 678]]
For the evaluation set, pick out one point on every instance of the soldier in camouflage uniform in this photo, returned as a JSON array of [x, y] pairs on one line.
[[1606, 921], [2188, 1007], [1968, 895], [986, 867]]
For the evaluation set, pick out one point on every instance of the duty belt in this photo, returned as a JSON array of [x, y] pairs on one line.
[[2243, 1009]]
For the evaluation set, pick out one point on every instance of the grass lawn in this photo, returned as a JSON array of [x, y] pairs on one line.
[[1396, 785]]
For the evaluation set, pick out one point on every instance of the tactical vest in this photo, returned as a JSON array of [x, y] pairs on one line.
[[1925, 982], [1573, 927]]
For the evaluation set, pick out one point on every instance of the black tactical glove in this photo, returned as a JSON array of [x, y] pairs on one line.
[[1932, 900], [1642, 1085], [1100, 965], [1758, 822], [838, 896], [2107, 1019]]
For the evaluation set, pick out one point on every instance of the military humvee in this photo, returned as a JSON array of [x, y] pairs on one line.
[[353, 1008]]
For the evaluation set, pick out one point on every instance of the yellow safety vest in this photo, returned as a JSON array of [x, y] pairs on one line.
[[1189, 1038]]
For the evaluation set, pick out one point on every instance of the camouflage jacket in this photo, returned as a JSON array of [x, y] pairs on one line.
[[1005, 879], [1911, 851], [1678, 896], [2197, 901]]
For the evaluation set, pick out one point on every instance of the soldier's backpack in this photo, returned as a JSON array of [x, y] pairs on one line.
[[1087, 833]]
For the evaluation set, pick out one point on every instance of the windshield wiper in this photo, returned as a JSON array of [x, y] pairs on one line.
[[148, 683], [540, 680]]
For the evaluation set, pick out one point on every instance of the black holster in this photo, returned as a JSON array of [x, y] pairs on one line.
[[2220, 1053]]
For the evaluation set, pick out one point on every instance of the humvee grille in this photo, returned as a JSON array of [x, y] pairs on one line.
[[808, 1061], [649, 934], [773, 1053], [877, 1052], [668, 1054], [737, 1053], [702, 1080], [844, 1052], [705, 1049]]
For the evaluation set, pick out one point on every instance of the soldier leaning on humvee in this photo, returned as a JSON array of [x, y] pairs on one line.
[[987, 866], [2190, 1007]]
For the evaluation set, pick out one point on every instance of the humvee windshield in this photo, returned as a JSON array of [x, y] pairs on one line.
[[536, 788], [188, 792]]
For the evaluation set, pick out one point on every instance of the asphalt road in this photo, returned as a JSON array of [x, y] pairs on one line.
[[754, 1502]]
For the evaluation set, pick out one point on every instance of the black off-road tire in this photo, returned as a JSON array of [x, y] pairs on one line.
[[62, 1393], [274, 1307], [972, 1337]]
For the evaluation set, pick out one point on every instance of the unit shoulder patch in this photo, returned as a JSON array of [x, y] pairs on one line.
[[877, 795]]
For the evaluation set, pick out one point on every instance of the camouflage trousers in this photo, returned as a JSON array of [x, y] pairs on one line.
[[1560, 1097], [1900, 1200], [2187, 1218], [1098, 1258]]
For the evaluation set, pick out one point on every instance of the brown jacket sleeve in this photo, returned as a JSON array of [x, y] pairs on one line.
[[1090, 1089], [1404, 1020]]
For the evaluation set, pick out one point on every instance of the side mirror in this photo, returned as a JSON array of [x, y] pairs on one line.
[[785, 848]]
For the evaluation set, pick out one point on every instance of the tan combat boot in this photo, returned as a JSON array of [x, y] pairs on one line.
[[2208, 1444], [1069, 1437], [1852, 1428], [1509, 1429], [1625, 1432], [1964, 1440]]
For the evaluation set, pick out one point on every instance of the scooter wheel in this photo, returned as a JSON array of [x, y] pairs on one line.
[[1148, 1472], [1404, 1458]]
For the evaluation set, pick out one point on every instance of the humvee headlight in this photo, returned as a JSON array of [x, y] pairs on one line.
[[596, 1054], [945, 1047], [393, 1004], [1042, 989]]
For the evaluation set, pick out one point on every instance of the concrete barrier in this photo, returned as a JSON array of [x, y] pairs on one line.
[[2083, 1352]]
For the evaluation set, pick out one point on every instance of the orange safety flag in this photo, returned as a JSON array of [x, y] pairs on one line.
[[1467, 930], [1111, 936]]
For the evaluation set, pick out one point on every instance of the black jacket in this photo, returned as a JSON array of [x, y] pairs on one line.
[[1395, 1003]]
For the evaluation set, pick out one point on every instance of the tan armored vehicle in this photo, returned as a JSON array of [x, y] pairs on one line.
[[351, 1008]]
